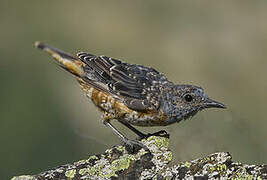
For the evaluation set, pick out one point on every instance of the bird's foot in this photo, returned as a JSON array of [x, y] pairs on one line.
[[133, 146], [161, 133]]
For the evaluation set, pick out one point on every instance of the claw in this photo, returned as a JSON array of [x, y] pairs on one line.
[[161, 133]]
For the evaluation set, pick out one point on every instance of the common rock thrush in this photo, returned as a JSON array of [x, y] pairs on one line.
[[132, 94]]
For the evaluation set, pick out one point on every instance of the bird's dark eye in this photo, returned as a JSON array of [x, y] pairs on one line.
[[188, 97]]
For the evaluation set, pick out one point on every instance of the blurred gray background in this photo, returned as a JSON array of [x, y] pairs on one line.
[[47, 121]]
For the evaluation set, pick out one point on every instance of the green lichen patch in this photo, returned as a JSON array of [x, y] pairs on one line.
[[159, 142], [83, 171], [187, 164], [120, 148], [241, 173], [93, 170], [168, 156], [70, 173], [91, 160], [216, 168], [119, 165], [24, 177]]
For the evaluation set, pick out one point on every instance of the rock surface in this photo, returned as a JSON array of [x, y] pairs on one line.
[[118, 163]]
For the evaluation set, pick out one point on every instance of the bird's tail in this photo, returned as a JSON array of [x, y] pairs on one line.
[[65, 60]]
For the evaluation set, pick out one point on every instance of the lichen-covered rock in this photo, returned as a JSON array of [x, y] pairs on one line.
[[118, 163]]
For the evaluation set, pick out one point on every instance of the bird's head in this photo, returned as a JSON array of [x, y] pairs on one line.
[[187, 100]]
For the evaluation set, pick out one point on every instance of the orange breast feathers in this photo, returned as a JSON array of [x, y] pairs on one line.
[[104, 101]]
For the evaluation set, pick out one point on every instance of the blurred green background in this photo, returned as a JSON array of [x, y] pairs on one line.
[[47, 121]]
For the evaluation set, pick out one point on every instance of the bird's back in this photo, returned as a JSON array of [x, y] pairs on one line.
[[121, 90]]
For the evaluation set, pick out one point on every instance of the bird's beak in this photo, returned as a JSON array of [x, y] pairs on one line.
[[209, 103]]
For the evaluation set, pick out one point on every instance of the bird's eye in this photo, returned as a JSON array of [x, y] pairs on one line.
[[188, 97]]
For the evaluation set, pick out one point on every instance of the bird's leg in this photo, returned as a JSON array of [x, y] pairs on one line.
[[141, 135], [130, 143], [137, 132]]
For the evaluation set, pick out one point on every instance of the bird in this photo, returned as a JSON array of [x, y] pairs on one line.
[[134, 95]]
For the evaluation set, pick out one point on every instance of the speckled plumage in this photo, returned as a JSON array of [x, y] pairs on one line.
[[133, 94]]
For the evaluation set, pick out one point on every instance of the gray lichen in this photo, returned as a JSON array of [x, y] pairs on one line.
[[118, 163]]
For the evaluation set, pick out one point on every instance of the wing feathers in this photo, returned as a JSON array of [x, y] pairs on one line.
[[126, 81]]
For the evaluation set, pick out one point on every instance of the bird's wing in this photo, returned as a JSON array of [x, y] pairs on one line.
[[137, 86]]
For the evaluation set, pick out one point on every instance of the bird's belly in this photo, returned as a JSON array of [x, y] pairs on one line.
[[115, 109], [146, 118]]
